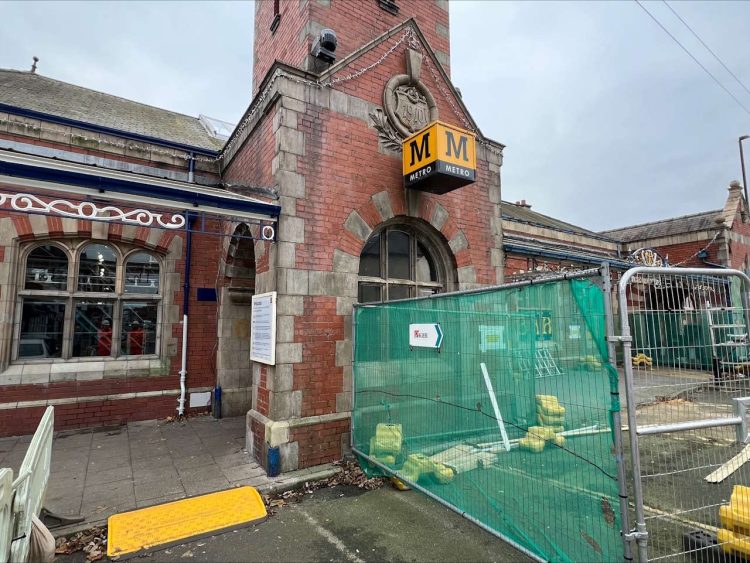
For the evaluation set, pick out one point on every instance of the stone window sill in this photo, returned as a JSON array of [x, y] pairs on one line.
[[81, 369]]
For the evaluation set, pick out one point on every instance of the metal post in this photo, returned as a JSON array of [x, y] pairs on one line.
[[616, 416], [742, 164], [640, 535]]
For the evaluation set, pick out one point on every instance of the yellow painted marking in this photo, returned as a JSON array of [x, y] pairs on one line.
[[138, 530]]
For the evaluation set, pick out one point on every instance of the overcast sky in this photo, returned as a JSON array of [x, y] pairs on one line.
[[607, 121]]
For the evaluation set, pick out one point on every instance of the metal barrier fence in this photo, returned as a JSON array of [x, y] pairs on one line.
[[687, 379], [22, 498], [503, 404], [6, 513]]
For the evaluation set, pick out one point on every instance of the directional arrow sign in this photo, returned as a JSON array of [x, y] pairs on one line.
[[428, 335]]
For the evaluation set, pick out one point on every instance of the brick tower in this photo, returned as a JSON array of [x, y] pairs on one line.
[[286, 29], [327, 138]]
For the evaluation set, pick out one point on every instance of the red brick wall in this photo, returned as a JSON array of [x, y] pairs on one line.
[[355, 22], [202, 340], [14, 422], [319, 443]]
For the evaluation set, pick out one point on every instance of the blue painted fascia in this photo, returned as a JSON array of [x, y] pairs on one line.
[[105, 184], [525, 250], [32, 114]]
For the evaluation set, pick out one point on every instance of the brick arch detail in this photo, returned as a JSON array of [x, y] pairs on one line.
[[31, 228], [385, 205]]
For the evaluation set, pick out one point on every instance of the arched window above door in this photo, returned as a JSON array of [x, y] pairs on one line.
[[400, 261]]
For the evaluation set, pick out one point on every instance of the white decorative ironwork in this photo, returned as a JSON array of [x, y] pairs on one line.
[[91, 211], [646, 257]]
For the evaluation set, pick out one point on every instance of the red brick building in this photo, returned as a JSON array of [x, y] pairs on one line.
[[94, 311], [112, 216], [329, 138]]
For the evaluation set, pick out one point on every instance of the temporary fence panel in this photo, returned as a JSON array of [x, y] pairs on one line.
[[31, 485], [6, 512], [685, 340], [498, 403]]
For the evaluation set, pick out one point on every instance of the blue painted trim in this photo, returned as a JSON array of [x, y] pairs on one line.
[[525, 250], [107, 130], [129, 187]]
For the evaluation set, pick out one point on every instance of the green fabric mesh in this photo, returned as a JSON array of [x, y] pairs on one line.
[[561, 503]]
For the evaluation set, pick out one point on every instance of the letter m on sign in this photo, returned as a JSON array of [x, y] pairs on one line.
[[456, 150], [421, 152]]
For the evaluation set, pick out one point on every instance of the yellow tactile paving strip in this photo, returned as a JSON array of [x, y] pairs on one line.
[[178, 521]]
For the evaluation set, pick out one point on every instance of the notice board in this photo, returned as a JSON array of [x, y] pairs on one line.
[[263, 328]]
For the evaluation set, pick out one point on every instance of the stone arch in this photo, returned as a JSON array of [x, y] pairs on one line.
[[386, 205], [233, 367]]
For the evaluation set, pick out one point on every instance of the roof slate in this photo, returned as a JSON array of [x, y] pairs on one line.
[[39, 93], [706, 220], [521, 214]]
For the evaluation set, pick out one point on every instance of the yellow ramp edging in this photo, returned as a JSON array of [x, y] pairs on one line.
[[181, 520]]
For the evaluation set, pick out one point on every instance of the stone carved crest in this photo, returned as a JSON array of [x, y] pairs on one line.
[[408, 105], [411, 108]]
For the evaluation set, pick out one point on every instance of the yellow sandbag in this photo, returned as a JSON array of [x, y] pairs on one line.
[[559, 440], [399, 484], [550, 420], [442, 473], [541, 432], [385, 459], [732, 542], [550, 410], [532, 444], [551, 399], [388, 438]]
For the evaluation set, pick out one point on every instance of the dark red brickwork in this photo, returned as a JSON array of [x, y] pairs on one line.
[[319, 443], [15, 422], [355, 22]]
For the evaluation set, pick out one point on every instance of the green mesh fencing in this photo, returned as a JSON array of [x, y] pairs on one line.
[[543, 474]]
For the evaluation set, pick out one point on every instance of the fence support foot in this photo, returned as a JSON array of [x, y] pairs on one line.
[[52, 520]]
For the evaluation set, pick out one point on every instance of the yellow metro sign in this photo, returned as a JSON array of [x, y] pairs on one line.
[[439, 158]]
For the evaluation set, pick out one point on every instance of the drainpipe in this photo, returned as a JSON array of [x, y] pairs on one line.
[[191, 169], [185, 303]]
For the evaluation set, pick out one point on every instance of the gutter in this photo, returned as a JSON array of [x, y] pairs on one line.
[[32, 114]]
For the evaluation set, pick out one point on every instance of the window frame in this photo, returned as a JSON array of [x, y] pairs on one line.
[[72, 296], [432, 248]]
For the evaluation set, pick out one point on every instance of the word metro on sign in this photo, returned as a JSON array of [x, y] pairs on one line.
[[428, 335], [439, 158]]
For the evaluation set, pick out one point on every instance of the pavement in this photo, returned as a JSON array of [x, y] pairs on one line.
[[346, 524], [99, 472]]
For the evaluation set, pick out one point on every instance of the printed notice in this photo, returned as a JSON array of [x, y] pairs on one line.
[[263, 328]]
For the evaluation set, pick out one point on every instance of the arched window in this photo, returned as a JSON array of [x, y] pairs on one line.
[[401, 261], [109, 308]]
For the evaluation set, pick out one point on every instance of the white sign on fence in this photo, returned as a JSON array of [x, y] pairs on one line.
[[263, 328], [425, 335]]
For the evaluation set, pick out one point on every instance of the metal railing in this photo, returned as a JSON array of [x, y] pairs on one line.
[[686, 389], [22, 498]]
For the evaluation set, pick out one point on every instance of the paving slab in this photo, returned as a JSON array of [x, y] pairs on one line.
[[96, 473]]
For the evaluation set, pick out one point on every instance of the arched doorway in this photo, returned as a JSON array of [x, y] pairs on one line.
[[233, 368]]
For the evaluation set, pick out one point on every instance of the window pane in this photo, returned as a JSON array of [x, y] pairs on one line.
[[47, 268], [398, 255], [399, 292], [97, 269], [41, 329], [138, 334], [369, 293], [425, 265], [142, 274], [93, 329], [369, 260]]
